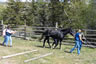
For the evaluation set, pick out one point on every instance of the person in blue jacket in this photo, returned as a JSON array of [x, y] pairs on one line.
[[78, 41], [9, 32]]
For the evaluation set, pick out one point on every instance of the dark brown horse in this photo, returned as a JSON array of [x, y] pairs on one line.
[[56, 35]]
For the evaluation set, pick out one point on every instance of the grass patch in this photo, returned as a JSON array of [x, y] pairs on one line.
[[87, 56]]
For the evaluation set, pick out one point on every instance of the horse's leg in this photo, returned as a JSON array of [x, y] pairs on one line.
[[48, 42], [56, 43], [53, 44], [44, 42], [60, 44]]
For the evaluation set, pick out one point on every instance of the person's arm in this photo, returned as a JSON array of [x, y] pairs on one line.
[[11, 31], [80, 36], [3, 33]]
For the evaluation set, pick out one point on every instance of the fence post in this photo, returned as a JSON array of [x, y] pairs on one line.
[[56, 25], [2, 27], [24, 32], [85, 32]]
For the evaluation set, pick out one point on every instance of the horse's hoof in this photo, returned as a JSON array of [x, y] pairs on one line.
[[51, 47]]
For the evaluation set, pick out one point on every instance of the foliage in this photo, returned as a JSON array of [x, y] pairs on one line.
[[77, 13], [13, 12], [90, 15], [2, 8]]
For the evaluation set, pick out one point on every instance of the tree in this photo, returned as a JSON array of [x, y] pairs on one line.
[[57, 12], [90, 17], [12, 14], [2, 8], [75, 13]]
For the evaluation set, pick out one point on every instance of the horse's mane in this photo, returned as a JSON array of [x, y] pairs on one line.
[[65, 29]]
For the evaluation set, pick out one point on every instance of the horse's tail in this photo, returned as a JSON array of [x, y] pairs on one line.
[[45, 33], [42, 36]]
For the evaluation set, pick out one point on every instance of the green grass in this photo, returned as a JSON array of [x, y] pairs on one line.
[[87, 55]]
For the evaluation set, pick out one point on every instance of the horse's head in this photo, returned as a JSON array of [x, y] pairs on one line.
[[70, 31]]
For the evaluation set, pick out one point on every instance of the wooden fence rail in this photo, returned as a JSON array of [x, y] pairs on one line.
[[37, 31]]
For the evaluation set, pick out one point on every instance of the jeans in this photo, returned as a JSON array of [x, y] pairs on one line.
[[80, 45], [8, 38], [77, 45], [4, 40]]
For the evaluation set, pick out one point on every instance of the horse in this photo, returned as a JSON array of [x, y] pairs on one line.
[[56, 35]]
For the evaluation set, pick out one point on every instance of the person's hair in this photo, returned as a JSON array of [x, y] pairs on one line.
[[82, 30], [78, 30], [8, 27]]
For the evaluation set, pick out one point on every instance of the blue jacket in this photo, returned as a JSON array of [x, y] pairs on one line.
[[8, 32], [77, 36]]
